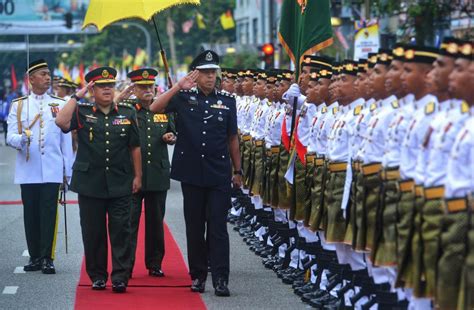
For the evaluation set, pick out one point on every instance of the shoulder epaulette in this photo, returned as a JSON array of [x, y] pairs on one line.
[[126, 104], [19, 98], [129, 101], [357, 110], [334, 110], [324, 110], [256, 100], [373, 106], [395, 104], [429, 108], [227, 94], [56, 97], [464, 107]]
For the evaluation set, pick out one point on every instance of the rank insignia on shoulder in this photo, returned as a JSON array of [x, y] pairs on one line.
[[395, 104], [160, 118], [373, 106], [334, 110], [324, 110], [91, 119], [464, 107], [358, 109], [430, 107]]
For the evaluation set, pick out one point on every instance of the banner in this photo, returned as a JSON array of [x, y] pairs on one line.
[[366, 39], [41, 16], [305, 27]]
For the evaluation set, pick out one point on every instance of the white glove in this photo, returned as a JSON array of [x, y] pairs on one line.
[[24, 138], [294, 92]]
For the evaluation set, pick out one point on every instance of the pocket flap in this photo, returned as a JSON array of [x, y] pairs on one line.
[[80, 166]]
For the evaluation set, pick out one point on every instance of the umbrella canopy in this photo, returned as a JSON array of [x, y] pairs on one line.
[[105, 12]]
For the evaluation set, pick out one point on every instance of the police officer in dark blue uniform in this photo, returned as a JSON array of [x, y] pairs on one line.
[[207, 144]]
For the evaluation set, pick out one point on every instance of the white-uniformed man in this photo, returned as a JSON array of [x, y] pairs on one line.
[[418, 63], [458, 186], [44, 154]]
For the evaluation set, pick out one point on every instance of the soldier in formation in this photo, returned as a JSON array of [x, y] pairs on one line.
[[358, 178]]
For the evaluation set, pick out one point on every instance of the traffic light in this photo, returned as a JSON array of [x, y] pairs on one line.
[[268, 51], [68, 20]]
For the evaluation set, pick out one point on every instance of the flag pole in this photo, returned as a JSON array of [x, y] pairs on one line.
[[163, 56]]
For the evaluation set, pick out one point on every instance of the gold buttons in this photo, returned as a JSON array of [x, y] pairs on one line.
[[107, 159], [149, 162], [106, 133], [148, 128], [149, 145], [106, 117], [149, 137], [106, 168], [123, 129], [149, 153], [107, 150], [107, 125]]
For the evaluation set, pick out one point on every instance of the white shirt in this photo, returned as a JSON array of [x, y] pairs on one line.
[[273, 128], [397, 130], [359, 130], [445, 126], [50, 150], [318, 119], [327, 123], [376, 136], [413, 142], [257, 127], [461, 159]]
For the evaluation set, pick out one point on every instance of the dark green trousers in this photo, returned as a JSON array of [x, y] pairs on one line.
[[96, 214], [154, 233], [40, 215], [317, 197], [452, 258], [284, 194], [335, 230]]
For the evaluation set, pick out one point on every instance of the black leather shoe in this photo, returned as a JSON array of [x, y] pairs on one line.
[[156, 272], [119, 287], [47, 266], [98, 285], [221, 288], [34, 264], [198, 286]]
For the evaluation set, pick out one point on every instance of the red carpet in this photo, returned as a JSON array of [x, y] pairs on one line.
[[145, 292]]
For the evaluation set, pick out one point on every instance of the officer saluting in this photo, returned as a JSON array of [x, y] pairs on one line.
[[106, 171], [156, 131], [207, 142], [43, 154]]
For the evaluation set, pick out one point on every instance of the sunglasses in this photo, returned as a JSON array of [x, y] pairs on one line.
[[105, 85]]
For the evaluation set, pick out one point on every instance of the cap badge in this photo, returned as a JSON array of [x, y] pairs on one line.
[[145, 74], [466, 49], [209, 56], [105, 74], [452, 48], [398, 51], [409, 54]]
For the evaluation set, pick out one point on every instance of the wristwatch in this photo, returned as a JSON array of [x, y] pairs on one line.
[[75, 97], [239, 172]]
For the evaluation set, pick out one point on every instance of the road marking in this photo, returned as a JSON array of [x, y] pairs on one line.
[[25, 253], [19, 270], [10, 290]]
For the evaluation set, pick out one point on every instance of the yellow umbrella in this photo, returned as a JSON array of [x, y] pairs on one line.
[[101, 13]]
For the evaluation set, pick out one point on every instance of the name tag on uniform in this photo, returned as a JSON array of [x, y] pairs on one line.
[[219, 106], [121, 121], [91, 119], [160, 118]]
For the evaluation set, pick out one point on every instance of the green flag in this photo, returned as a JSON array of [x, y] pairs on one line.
[[305, 27]]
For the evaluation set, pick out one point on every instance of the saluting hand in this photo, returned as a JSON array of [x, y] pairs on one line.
[[82, 92], [125, 93], [189, 81]]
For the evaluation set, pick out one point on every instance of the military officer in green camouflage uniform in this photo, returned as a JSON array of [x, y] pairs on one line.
[[156, 132], [106, 172]]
